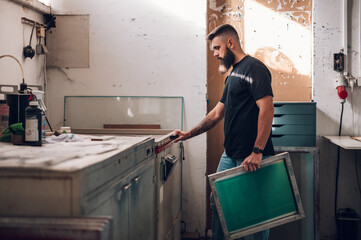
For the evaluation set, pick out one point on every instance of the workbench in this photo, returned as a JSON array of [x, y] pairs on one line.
[[346, 142], [113, 177]]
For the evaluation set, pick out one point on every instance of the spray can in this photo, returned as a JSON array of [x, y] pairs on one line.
[[33, 124]]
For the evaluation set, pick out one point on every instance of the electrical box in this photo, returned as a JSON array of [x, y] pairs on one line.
[[40, 32]]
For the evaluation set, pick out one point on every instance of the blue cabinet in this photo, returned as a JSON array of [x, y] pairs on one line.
[[294, 124]]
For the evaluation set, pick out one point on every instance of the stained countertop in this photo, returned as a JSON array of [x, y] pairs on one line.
[[67, 156]]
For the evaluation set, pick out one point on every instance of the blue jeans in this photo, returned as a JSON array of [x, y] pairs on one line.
[[217, 232]]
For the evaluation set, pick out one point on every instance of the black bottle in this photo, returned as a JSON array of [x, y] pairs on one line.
[[33, 124]]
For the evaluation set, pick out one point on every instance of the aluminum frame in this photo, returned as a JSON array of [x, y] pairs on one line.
[[290, 217]]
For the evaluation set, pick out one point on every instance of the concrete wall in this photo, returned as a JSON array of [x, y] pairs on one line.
[[140, 48], [15, 36], [327, 33]]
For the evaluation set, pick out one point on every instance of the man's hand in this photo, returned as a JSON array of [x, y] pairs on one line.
[[252, 162], [181, 135]]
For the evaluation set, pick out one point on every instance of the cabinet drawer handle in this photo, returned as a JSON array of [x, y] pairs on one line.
[[136, 179], [126, 187]]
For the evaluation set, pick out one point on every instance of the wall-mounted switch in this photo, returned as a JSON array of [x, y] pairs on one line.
[[338, 62]]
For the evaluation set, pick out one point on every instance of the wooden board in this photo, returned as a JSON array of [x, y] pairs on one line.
[[132, 126]]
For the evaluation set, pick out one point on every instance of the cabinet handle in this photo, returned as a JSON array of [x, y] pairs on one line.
[[136, 179], [126, 187]]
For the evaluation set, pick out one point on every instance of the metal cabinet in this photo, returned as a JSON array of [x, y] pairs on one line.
[[168, 192], [294, 124], [141, 205], [131, 203]]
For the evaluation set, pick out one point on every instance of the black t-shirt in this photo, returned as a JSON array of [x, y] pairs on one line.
[[249, 81]]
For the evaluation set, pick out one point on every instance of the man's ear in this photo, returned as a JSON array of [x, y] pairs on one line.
[[230, 43]]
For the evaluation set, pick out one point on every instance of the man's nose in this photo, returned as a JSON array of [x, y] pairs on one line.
[[215, 54]]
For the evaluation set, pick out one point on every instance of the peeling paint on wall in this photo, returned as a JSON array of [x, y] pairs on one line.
[[299, 11], [281, 39], [213, 6]]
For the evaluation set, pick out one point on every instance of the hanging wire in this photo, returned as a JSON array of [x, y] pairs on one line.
[[338, 164], [21, 67]]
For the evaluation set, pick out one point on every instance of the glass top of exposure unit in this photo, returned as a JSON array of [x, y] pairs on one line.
[[84, 112]]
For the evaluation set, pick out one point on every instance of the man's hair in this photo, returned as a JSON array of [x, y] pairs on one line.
[[224, 29]]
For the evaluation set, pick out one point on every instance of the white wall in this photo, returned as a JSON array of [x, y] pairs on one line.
[[15, 36], [144, 47], [327, 31]]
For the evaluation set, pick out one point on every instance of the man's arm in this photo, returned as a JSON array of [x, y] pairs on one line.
[[211, 120], [265, 118]]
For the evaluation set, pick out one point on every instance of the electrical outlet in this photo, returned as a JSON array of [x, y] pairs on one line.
[[338, 62]]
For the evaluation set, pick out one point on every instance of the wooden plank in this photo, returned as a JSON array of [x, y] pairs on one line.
[[132, 126], [123, 131]]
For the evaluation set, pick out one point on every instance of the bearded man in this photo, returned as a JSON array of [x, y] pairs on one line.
[[247, 108]]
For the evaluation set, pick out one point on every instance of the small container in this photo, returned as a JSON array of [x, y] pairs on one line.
[[33, 124], [4, 116], [65, 129]]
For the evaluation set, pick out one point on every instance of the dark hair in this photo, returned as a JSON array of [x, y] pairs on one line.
[[221, 30]]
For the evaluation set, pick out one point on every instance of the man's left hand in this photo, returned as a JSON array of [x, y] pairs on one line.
[[252, 162]]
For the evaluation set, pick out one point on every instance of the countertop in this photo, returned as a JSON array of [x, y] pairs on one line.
[[67, 156]]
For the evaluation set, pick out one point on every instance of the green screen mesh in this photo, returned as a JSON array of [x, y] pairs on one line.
[[255, 197]]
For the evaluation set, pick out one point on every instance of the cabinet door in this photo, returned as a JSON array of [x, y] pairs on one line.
[[142, 203], [117, 206]]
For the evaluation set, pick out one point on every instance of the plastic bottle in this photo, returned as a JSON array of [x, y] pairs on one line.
[[4, 116], [33, 124]]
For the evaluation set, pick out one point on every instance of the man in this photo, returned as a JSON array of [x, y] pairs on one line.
[[247, 108]]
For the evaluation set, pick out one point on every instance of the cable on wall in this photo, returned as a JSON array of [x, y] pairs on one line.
[[338, 164]]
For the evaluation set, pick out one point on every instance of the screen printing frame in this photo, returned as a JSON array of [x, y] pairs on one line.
[[298, 214]]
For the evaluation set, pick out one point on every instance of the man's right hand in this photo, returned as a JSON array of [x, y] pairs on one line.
[[181, 135]]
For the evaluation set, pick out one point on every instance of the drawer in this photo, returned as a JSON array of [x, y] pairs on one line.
[[116, 166], [295, 108], [294, 119], [293, 129], [294, 140]]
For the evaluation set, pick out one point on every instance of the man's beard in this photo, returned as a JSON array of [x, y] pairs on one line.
[[227, 61]]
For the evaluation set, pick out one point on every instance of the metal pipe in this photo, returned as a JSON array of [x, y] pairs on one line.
[[21, 67], [345, 35]]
